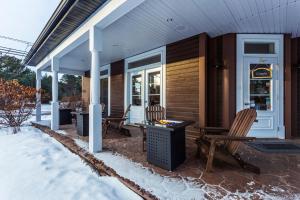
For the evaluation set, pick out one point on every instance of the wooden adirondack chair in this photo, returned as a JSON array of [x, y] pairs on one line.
[[153, 113], [224, 147], [106, 122]]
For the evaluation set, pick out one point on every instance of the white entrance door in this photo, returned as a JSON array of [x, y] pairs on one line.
[[261, 90], [145, 89]]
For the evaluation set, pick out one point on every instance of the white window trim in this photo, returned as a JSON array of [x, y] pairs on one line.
[[107, 67], [159, 51], [279, 52]]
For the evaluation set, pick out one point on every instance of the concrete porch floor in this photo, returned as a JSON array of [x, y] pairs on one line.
[[280, 173]]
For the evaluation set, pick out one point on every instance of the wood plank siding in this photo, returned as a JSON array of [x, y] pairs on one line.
[[117, 88], [86, 91], [184, 59]]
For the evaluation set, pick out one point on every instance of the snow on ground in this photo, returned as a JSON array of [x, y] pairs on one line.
[[165, 187], [35, 166]]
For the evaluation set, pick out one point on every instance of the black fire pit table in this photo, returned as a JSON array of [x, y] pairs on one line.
[[82, 123], [166, 143], [65, 116]]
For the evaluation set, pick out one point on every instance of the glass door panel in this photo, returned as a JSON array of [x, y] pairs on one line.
[[261, 87], [154, 83], [136, 97]]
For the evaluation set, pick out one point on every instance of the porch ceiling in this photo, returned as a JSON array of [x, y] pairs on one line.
[[155, 23]]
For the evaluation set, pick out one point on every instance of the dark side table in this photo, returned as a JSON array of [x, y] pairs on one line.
[[166, 144]]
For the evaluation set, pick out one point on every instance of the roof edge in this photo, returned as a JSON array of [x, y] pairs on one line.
[[58, 14]]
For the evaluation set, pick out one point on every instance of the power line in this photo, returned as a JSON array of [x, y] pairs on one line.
[[16, 40], [12, 51]]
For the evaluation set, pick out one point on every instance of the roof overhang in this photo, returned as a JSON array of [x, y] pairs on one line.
[[131, 27], [67, 17]]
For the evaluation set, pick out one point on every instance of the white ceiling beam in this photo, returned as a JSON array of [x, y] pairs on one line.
[[71, 72]]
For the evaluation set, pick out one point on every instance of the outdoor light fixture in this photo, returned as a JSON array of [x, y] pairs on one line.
[[170, 20]]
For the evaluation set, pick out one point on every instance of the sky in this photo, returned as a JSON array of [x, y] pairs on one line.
[[24, 20]]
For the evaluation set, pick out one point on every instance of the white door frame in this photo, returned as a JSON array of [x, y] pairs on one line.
[[103, 68], [159, 51], [279, 53]]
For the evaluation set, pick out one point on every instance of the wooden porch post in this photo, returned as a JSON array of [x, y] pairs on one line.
[[95, 114]]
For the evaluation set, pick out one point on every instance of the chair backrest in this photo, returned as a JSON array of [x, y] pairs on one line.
[[126, 111], [124, 116], [155, 113], [240, 127], [103, 107]]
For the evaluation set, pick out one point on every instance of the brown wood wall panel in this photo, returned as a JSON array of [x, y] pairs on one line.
[[296, 84], [203, 80], [117, 88], [229, 60], [287, 86], [85, 92], [182, 80], [294, 73], [221, 92]]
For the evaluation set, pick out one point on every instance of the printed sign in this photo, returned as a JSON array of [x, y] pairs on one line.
[[261, 73]]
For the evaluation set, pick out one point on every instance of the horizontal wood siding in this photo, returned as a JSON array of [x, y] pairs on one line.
[[85, 92], [117, 88], [182, 79]]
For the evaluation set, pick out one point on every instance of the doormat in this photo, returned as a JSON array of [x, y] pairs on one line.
[[275, 146]]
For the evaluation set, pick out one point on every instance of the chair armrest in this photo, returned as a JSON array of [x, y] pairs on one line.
[[114, 119], [214, 129], [225, 137]]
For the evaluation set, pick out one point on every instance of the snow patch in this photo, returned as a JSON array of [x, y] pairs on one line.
[[165, 187], [35, 166]]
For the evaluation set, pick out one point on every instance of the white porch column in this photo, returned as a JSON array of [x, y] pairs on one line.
[[38, 109], [95, 114], [54, 103]]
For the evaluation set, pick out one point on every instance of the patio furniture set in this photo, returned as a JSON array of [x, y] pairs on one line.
[[164, 139]]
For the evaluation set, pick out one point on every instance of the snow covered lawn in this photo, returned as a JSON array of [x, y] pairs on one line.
[[35, 166]]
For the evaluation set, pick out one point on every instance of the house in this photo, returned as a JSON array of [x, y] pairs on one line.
[[201, 60]]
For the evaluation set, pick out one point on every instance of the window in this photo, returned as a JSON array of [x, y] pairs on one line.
[[154, 88], [104, 72], [145, 61], [259, 48], [136, 90]]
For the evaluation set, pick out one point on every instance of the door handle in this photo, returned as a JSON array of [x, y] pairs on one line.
[[246, 104]]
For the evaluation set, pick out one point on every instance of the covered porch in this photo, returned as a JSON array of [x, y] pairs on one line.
[[197, 59]]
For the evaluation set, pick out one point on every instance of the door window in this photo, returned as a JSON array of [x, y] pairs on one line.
[[261, 87], [154, 88], [136, 97]]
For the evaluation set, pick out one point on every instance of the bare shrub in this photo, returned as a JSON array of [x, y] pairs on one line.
[[16, 103]]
